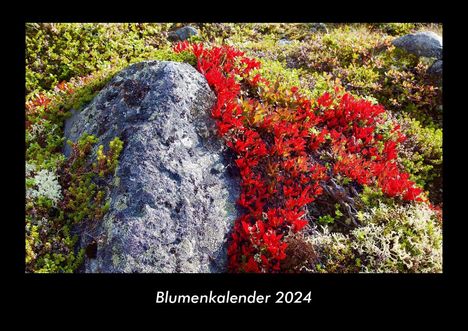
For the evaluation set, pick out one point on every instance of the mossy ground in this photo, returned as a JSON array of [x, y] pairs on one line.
[[357, 57]]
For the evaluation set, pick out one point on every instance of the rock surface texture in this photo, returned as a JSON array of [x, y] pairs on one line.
[[172, 200], [318, 27], [436, 69], [426, 43]]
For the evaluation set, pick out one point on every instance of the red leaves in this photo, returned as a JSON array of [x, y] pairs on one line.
[[40, 101], [354, 138], [325, 100], [363, 133], [274, 246], [275, 219], [181, 46], [245, 227], [412, 193], [197, 50], [251, 265], [280, 148], [276, 136], [64, 87], [390, 150], [250, 64], [298, 225]]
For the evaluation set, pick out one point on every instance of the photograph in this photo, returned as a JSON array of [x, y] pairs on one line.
[[233, 148]]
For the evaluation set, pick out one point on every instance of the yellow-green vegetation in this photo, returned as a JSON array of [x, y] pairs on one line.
[[67, 64], [396, 29], [57, 52], [57, 200], [421, 155]]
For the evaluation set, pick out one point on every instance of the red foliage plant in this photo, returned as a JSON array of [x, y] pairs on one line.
[[277, 136], [39, 107]]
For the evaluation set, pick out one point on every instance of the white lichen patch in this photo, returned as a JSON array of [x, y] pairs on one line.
[[45, 185], [392, 239]]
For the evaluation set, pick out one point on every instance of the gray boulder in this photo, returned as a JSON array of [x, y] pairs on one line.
[[182, 33], [172, 200], [318, 27], [435, 69], [426, 44]]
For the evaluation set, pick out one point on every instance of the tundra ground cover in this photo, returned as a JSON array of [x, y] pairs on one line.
[[286, 146], [350, 115]]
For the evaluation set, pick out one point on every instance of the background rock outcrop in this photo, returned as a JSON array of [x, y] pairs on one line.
[[173, 200], [436, 69], [425, 43], [183, 33], [318, 27]]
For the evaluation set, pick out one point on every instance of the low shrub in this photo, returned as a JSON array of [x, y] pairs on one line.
[[57, 52], [278, 136], [56, 204], [300, 255], [421, 155], [396, 29], [366, 65], [60, 192], [66, 195]]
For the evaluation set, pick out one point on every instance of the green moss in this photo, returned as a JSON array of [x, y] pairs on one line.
[[364, 79], [85, 198], [276, 71], [372, 196]]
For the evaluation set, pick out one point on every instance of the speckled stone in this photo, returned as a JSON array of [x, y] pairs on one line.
[[426, 44], [183, 33], [436, 69], [173, 204]]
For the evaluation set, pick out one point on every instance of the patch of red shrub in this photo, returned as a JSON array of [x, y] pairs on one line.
[[276, 136]]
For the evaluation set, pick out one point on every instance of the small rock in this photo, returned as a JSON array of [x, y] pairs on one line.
[[318, 27], [426, 44], [183, 33], [435, 69], [284, 42]]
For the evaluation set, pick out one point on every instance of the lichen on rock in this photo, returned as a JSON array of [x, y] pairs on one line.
[[175, 203]]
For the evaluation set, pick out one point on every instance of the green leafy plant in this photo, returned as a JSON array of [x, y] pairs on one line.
[[326, 219]]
